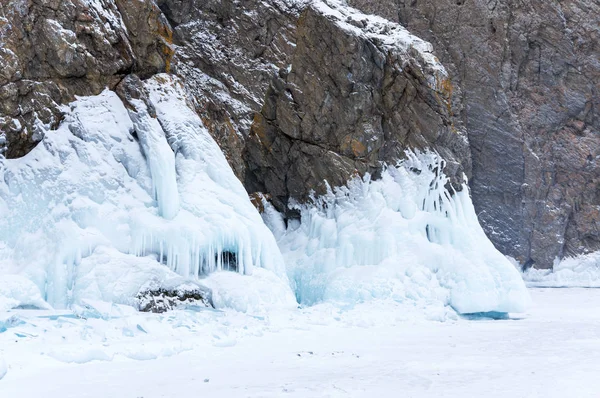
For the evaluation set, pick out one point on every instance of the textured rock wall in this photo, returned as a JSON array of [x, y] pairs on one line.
[[358, 92], [296, 93], [228, 52], [530, 78]]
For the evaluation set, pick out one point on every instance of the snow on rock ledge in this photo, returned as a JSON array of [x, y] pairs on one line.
[[80, 218], [404, 238], [386, 34]]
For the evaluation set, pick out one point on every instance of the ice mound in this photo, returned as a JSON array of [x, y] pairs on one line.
[[116, 198], [403, 237], [580, 271], [17, 291], [250, 295]]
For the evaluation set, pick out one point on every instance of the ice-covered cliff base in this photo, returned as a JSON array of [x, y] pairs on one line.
[[121, 199], [117, 200], [579, 271], [405, 238]]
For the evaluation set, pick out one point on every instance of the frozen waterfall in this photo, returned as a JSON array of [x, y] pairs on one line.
[[160, 158], [93, 213]]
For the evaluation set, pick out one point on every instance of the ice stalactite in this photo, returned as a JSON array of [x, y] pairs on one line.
[[228, 233], [160, 157]]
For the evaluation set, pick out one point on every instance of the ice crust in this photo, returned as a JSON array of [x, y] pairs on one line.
[[91, 213], [403, 237]]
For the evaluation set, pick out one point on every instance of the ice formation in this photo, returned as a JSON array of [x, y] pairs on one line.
[[91, 213], [403, 237], [579, 271]]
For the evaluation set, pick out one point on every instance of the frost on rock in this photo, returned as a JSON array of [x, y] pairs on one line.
[[580, 271], [86, 215], [403, 237], [163, 299]]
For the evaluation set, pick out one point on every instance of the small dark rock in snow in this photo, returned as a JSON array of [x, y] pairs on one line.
[[163, 299]]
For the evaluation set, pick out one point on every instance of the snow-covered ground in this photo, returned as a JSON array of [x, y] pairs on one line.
[[376, 349]]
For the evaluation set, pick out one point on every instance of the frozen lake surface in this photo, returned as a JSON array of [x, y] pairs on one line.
[[369, 351]]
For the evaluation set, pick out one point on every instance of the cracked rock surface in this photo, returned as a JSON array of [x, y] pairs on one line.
[[359, 91]]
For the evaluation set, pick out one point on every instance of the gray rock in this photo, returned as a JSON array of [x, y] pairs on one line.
[[163, 299], [227, 53], [358, 93]]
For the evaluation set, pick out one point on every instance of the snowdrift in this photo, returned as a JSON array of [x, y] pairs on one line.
[[403, 237], [96, 213]]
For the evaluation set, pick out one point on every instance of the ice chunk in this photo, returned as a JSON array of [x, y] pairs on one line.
[[404, 237], [18, 291], [263, 291], [115, 277]]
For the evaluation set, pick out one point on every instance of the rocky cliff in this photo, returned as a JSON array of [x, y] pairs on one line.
[[300, 93], [530, 78]]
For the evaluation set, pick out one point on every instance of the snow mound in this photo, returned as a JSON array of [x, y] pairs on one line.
[[116, 199], [403, 237], [250, 295], [580, 271]]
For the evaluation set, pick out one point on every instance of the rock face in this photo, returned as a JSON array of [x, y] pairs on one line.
[[358, 93], [228, 53], [52, 50], [530, 78], [163, 299]]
